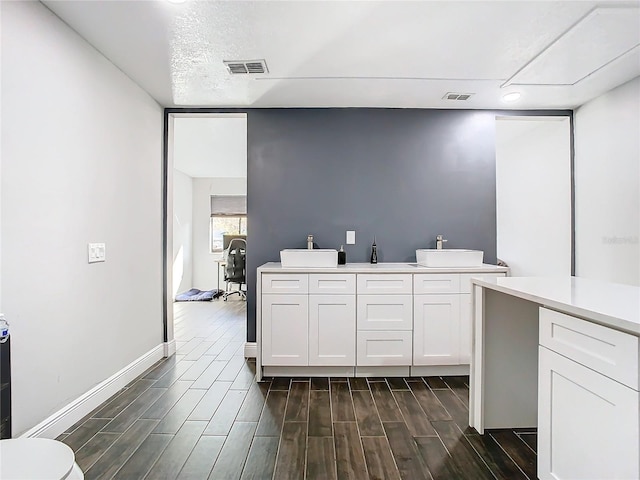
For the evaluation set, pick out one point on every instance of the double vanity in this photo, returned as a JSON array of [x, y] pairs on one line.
[[360, 319], [558, 354]]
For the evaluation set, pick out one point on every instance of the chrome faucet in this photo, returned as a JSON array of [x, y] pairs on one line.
[[310, 242], [440, 242]]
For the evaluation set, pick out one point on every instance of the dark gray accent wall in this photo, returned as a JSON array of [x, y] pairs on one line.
[[403, 176]]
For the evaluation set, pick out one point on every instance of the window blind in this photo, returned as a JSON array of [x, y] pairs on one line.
[[231, 205]]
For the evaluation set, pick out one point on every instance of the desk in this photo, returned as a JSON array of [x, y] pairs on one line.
[[560, 354], [221, 263]]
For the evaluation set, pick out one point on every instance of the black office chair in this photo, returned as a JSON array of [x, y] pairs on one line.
[[235, 270]]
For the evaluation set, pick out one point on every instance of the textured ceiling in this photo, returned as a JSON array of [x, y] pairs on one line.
[[558, 54]]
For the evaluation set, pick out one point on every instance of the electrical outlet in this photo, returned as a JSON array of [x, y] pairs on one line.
[[351, 237], [97, 252]]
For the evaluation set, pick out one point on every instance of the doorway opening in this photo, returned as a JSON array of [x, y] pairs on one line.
[[205, 203]]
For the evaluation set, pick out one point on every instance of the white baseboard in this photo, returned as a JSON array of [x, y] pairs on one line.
[[64, 418], [292, 371], [169, 348], [383, 371], [438, 370], [250, 350], [374, 371]]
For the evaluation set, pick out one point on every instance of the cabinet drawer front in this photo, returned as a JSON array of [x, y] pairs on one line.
[[605, 350], [342, 283], [384, 348], [465, 279], [285, 283], [384, 283], [436, 283], [385, 312], [580, 410]]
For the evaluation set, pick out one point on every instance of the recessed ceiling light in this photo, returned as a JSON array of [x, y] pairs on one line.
[[511, 97], [176, 1]]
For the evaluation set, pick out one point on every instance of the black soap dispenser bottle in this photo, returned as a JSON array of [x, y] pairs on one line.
[[342, 256], [374, 251]]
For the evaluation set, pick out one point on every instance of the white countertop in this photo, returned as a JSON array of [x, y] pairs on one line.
[[276, 267], [610, 304]]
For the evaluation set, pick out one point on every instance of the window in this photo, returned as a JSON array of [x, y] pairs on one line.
[[224, 225], [228, 217]]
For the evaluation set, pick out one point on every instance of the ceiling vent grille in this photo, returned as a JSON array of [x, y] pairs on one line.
[[457, 96], [240, 67]]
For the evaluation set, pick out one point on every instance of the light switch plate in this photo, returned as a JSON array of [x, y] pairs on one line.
[[97, 252], [351, 237]]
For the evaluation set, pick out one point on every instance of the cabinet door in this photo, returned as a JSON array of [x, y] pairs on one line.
[[436, 330], [285, 329], [590, 420], [332, 330], [385, 312]]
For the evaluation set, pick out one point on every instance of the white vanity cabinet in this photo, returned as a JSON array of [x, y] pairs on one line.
[[436, 325], [442, 324], [588, 400], [308, 320], [332, 319], [363, 320], [436, 332], [285, 324], [384, 319]]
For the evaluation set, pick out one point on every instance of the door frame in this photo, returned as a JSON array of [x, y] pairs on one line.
[[170, 114]]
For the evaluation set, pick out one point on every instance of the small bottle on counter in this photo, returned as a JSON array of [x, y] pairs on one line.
[[374, 251], [342, 256]]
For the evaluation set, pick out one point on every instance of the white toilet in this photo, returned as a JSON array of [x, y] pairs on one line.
[[37, 459]]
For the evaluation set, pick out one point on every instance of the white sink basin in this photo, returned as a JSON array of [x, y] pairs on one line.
[[303, 258], [449, 258]]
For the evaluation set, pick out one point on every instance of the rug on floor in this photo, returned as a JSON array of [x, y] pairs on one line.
[[195, 295]]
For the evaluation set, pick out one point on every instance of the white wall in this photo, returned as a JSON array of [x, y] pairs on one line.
[[210, 145], [204, 262], [533, 195], [607, 175], [81, 162], [182, 232]]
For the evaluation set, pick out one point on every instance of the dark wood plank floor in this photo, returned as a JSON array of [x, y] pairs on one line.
[[200, 414]]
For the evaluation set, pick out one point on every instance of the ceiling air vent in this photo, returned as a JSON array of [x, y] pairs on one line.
[[236, 67], [457, 96]]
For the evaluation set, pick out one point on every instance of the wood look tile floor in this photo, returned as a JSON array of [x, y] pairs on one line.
[[200, 414]]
